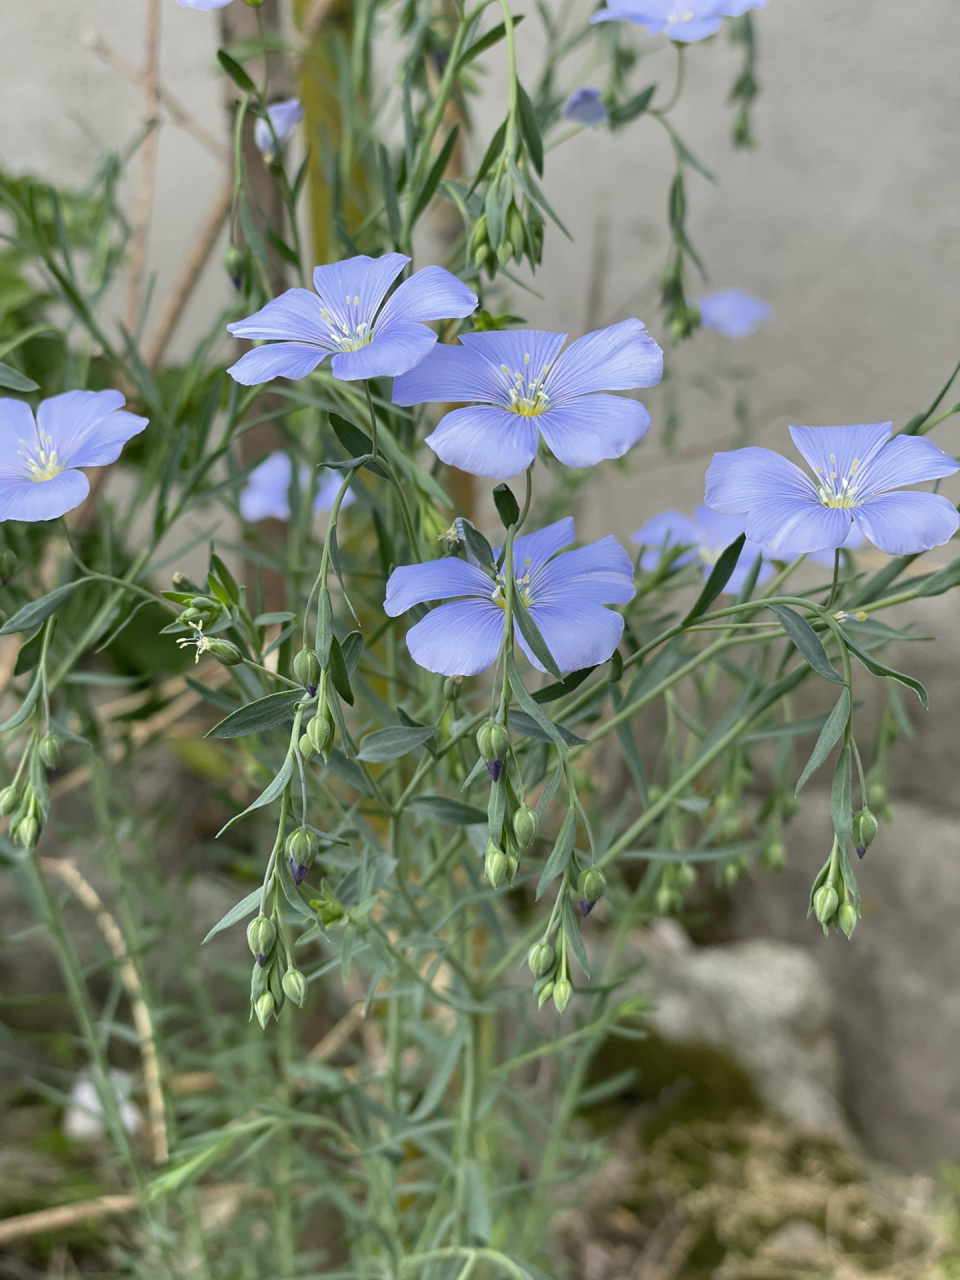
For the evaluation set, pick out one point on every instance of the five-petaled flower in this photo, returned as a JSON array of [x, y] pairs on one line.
[[585, 106], [266, 494], [732, 312], [526, 388], [855, 470], [565, 595], [682, 20], [347, 321], [39, 479], [705, 536], [283, 120]]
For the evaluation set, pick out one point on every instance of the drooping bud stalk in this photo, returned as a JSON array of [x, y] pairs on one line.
[[540, 958], [50, 750], [295, 987], [562, 991], [526, 824], [261, 935], [264, 1008], [306, 667], [495, 865]]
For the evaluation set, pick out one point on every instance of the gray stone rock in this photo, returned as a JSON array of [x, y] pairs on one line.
[[763, 1002]]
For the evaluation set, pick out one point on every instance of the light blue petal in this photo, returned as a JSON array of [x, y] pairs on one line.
[[42, 499], [266, 495], [732, 312], [855, 540], [581, 433], [717, 529], [735, 8], [840, 450], [531, 551], [601, 573], [450, 374], [485, 441], [904, 523], [689, 32], [619, 358], [203, 4], [577, 634], [88, 428], [516, 356], [17, 431], [284, 116], [291, 360], [745, 564], [904, 460], [436, 580], [430, 294], [585, 106], [293, 317], [391, 353], [352, 290], [459, 639], [737, 482], [789, 527], [667, 529]]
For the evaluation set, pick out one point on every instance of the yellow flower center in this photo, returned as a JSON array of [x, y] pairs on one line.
[[835, 490], [347, 336], [525, 393], [41, 459], [498, 597]]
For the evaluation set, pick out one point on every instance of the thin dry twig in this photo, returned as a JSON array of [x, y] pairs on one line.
[[148, 166], [65, 1215], [189, 276], [66, 869], [173, 106]]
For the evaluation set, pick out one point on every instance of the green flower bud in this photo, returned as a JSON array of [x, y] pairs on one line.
[[50, 750], [540, 958], [295, 987], [825, 903], [493, 741], [877, 794], [526, 824], [306, 667], [847, 918], [327, 906], [774, 855], [504, 252], [591, 884], [665, 899], [264, 1008], [261, 935], [478, 236], [562, 991], [8, 564], [320, 733], [451, 688], [865, 828], [28, 831], [9, 799], [235, 265], [301, 847], [306, 748], [686, 876], [515, 232], [495, 865], [513, 866], [225, 652], [546, 991]]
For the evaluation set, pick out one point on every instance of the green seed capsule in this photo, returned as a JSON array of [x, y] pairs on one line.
[[225, 652], [493, 740], [264, 1008], [825, 903], [9, 800], [306, 667], [50, 750], [261, 935], [545, 993], [865, 828], [847, 918], [562, 991], [320, 733], [526, 824], [540, 958], [27, 832], [295, 987], [495, 865]]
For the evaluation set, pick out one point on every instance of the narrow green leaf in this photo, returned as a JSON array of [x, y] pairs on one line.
[[338, 672], [267, 796], [560, 855], [878, 669], [37, 611], [255, 717], [432, 180], [837, 721], [632, 108], [521, 723], [479, 1217], [29, 653], [324, 627], [720, 575], [355, 441], [571, 931], [476, 543], [530, 128], [433, 1094], [453, 813], [507, 506], [14, 380], [943, 580], [388, 185], [522, 695], [567, 685], [841, 802], [493, 36], [531, 633], [493, 150], [807, 641], [352, 649], [235, 72], [243, 909], [392, 743]]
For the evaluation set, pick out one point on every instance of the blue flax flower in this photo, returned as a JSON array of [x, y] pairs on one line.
[[565, 595], [586, 107], [682, 20], [284, 116], [266, 495], [347, 321], [526, 388], [203, 4], [732, 312], [39, 479], [706, 536], [855, 470]]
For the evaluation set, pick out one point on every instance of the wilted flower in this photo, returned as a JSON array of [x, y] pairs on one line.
[[681, 20], [344, 322], [732, 312], [565, 595], [284, 117], [39, 479], [266, 495], [585, 106], [707, 534], [855, 469], [526, 388]]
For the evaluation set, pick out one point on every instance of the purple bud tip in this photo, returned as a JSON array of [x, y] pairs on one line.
[[261, 961], [299, 873], [236, 282], [586, 907], [861, 850], [493, 768], [311, 690]]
